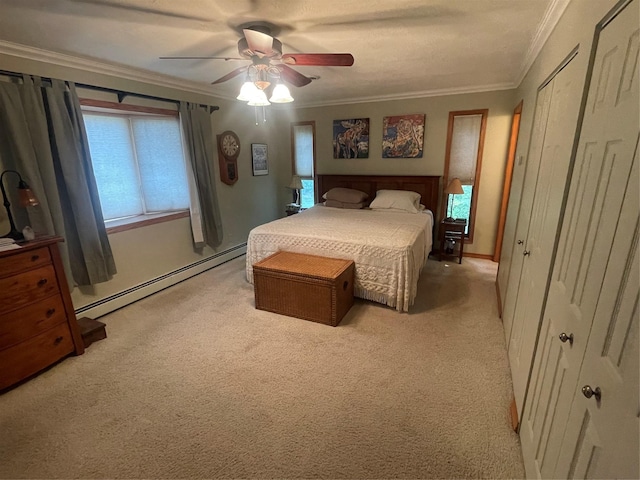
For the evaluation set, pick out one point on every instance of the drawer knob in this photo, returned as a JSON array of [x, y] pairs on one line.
[[34, 257], [51, 311], [526, 253], [520, 242], [42, 282], [58, 340]]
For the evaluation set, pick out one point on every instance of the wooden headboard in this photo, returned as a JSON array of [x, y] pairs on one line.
[[427, 186]]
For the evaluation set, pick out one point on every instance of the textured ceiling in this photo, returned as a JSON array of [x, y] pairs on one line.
[[402, 48]]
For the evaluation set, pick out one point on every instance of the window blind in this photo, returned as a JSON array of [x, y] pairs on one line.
[[464, 148], [138, 163], [114, 167], [303, 150]]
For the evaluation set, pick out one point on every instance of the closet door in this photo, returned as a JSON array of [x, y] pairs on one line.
[[543, 225], [589, 335], [520, 202]]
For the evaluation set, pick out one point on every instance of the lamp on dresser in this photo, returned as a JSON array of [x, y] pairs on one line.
[[26, 198]]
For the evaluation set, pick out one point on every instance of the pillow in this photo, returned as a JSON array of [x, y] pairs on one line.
[[396, 200], [337, 204], [346, 195]]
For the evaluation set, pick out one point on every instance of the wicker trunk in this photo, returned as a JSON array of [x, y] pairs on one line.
[[304, 286]]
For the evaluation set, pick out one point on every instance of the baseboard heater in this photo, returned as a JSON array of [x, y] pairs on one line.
[[133, 294]]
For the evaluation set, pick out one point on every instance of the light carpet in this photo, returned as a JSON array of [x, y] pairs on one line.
[[193, 382]]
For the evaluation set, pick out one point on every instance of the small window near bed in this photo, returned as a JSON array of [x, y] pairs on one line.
[[465, 142], [303, 159]]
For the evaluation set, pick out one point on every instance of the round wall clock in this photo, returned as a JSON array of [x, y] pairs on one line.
[[228, 151]]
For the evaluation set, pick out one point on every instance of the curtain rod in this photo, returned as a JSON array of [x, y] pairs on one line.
[[121, 95]]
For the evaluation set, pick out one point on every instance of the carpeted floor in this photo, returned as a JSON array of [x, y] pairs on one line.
[[193, 382]]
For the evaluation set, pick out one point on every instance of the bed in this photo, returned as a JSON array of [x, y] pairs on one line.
[[389, 248]]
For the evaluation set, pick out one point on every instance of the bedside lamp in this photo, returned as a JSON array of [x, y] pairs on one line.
[[296, 186], [454, 188], [26, 197]]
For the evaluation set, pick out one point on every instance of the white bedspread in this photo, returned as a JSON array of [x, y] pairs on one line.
[[389, 248]]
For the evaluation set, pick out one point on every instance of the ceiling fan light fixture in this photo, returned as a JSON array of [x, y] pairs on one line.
[[247, 91], [259, 99], [281, 94]]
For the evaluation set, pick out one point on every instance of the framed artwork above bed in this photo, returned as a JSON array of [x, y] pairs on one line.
[[351, 138], [403, 136]]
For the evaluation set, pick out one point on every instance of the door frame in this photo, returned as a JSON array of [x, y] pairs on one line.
[[508, 175]]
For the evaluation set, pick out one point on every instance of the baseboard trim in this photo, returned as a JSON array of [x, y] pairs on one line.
[[133, 294], [513, 411], [478, 255], [499, 299]]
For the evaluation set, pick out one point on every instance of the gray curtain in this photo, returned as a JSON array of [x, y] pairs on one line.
[[196, 127], [42, 136]]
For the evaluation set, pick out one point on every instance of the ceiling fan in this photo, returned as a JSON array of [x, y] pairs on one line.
[[268, 61]]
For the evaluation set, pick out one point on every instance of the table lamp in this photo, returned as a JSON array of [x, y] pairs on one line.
[[26, 197], [454, 188], [296, 186]]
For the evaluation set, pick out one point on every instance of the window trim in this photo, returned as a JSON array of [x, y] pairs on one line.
[[145, 219], [312, 123], [137, 221], [476, 187], [88, 102]]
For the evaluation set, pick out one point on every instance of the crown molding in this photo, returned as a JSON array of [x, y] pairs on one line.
[[411, 95], [549, 21], [93, 66]]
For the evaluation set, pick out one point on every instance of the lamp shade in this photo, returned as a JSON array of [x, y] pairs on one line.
[[281, 94], [454, 187], [247, 91], [259, 99], [296, 183], [26, 196]]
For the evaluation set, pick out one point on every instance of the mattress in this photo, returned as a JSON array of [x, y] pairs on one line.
[[389, 248]]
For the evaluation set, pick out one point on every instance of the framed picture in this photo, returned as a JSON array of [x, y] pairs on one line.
[[259, 159], [403, 136], [351, 138]]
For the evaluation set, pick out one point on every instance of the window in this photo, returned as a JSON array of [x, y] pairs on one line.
[[138, 163], [465, 141], [303, 159]]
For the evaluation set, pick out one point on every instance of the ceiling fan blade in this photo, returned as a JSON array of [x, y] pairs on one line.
[[201, 58], [293, 77], [260, 43], [319, 59], [229, 76]]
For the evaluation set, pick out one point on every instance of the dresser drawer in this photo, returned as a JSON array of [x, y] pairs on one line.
[[27, 322], [29, 357], [24, 261], [27, 287]]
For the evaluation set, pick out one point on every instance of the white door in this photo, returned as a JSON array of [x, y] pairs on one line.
[[511, 258], [593, 295], [539, 246], [601, 438]]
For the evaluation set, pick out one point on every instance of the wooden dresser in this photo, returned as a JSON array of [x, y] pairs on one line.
[[38, 325]]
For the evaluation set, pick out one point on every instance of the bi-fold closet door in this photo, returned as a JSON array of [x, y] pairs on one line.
[[533, 247], [581, 417]]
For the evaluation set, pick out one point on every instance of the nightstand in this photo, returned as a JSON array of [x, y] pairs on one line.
[[452, 231], [292, 209]]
